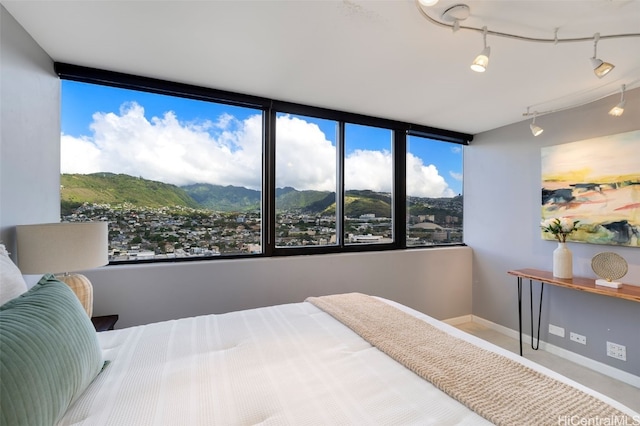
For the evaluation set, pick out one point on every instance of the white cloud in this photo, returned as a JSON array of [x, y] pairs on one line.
[[79, 155], [224, 120], [305, 159], [425, 180], [365, 169], [455, 175], [227, 151], [166, 150]]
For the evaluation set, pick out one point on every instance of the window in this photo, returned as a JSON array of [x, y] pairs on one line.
[[306, 174], [175, 177], [434, 192], [183, 172], [368, 182]]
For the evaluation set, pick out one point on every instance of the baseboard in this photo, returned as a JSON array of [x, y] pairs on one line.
[[598, 366], [459, 320]]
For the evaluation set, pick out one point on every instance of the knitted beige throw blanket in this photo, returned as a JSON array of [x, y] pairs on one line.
[[497, 388]]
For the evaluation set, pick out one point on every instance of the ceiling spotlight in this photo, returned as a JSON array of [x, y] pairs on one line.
[[482, 60], [535, 129], [600, 68], [617, 110], [428, 3]]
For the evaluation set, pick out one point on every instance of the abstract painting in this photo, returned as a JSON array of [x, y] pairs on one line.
[[595, 181]]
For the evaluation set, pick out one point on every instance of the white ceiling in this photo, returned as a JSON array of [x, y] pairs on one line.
[[380, 58]]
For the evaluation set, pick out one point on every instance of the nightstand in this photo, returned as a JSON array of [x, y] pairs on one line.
[[104, 323]]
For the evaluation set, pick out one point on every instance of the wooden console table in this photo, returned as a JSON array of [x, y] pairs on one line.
[[588, 285]]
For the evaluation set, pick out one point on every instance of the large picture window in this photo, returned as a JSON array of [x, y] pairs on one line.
[[306, 174], [368, 182], [434, 192], [183, 173], [175, 177]]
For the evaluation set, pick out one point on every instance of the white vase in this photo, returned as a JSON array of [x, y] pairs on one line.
[[562, 262]]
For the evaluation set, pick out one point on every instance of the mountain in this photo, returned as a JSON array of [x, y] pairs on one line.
[[110, 188], [292, 199], [356, 203], [224, 198], [236, 198]]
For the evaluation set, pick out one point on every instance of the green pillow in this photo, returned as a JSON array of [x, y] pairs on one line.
[[49, 354]]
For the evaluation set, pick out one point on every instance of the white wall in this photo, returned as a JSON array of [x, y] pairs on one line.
[[435, 281], [502, 179], [29, 132]]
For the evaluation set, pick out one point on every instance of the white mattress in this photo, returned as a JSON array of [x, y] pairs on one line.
[[288, 364]]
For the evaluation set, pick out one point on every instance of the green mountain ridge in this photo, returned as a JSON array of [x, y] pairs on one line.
[[110, 188], [223, 198]]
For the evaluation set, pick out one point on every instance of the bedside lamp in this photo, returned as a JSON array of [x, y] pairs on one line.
[[60, 248]]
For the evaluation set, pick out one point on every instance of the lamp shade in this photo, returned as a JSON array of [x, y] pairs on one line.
[[62, 247], [601, 68], [535, 129], [617, 110], [482, 60]]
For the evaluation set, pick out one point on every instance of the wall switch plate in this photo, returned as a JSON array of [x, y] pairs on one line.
[[617, 351], [555, 330], [579, 338]]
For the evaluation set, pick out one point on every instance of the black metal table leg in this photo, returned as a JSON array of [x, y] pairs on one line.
[[535, 348], [537, 335]]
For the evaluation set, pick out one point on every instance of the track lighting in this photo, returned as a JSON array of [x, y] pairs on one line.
[[482, 60], [617, 110], [600, 68], [535, 129], [454, 15]]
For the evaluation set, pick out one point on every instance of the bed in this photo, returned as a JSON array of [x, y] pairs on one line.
[[347, 359]]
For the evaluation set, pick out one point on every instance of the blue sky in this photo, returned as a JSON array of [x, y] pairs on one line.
[[87, 136]]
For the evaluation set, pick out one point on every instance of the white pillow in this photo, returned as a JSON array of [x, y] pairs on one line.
[[12, 282]]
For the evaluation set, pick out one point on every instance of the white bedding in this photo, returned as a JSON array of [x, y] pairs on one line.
[[287, 364]]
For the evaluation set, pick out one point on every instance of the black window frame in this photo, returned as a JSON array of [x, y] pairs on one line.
[[270, 108]]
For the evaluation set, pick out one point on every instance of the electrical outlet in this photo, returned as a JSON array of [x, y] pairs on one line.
[[617, 351], [579, 338], [554, 329]]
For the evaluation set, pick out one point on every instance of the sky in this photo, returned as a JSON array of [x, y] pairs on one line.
[[184, 141]]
